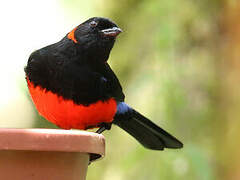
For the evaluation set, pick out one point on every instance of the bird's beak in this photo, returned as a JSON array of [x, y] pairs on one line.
[[111, 31]]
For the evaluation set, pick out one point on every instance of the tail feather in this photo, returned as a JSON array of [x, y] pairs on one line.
[[146, 132]]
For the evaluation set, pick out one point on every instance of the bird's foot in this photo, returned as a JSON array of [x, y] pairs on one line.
[[103, 127]]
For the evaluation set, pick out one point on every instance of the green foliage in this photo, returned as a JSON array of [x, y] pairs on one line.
[[165, 60]]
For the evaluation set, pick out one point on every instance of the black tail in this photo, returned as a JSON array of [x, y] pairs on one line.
[[146, 132]]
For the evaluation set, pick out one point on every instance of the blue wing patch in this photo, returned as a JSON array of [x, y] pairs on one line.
[[123, 108]]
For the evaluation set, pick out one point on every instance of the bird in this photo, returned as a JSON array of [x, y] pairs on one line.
[[72, 85]]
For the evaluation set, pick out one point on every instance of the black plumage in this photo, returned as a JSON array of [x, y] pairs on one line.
[[77, 70]]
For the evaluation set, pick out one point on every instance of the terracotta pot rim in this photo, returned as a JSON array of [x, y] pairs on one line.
[[53, 140]]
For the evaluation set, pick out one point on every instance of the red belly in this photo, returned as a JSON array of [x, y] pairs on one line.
[[68, 115]]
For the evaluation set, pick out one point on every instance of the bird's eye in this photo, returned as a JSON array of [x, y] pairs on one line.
[[93, 23]]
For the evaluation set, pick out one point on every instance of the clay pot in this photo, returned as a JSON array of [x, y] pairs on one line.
[[48, 154]]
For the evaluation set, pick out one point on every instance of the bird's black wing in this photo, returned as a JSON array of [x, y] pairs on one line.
[[114, 86]]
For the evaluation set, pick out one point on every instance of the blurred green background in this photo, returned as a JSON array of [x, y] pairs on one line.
[[178, 62]]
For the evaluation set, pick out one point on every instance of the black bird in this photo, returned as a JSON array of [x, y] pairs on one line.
[[73, 86]]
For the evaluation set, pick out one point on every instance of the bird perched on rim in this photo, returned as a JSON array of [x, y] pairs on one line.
[[73, 86]]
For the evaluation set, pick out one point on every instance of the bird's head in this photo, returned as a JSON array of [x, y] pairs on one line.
[[96, 35]]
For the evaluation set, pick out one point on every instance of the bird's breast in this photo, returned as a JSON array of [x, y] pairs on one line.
[[68, 115]]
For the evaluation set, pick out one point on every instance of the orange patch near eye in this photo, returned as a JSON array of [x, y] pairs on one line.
[[72, 36]]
